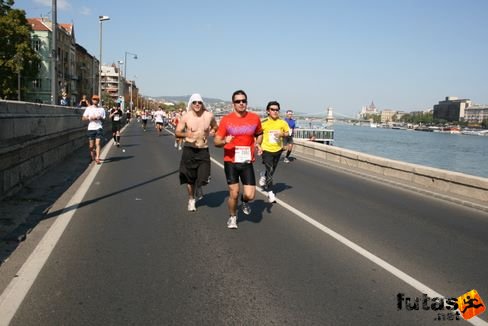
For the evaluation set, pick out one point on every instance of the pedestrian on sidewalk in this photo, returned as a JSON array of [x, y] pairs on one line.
[[274, 130], [194, 128], [239, 133], [288, 139], [84, 102], [95, 115]]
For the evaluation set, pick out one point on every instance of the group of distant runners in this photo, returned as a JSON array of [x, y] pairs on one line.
[[241, 133]]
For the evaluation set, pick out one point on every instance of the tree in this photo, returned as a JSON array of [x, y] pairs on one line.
[[418, 118], [373, 116], [17, 58]]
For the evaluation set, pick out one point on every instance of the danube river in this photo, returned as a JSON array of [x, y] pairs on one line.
[[459, 153]]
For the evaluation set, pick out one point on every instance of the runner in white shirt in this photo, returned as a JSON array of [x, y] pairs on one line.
[[95, 115], [158, 117]]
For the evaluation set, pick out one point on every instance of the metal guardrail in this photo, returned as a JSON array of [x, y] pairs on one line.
[[325, 136]]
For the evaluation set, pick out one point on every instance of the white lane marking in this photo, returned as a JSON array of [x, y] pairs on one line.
[[422, 288], [15, 292]]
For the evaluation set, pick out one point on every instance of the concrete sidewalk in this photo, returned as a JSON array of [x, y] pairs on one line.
[[21, 212]]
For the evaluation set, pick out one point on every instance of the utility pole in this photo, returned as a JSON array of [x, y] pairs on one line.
[[101, 19], [54, 53]]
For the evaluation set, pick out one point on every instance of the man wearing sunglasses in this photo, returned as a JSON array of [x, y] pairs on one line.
[[274, 130], [194, 127], [239, 133]]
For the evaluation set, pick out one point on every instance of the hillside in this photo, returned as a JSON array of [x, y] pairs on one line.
[[185, 98]]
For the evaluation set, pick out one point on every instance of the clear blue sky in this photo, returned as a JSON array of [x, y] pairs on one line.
[[308, 55]]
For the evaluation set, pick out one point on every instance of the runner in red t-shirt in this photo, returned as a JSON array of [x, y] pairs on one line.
[[239, 133]]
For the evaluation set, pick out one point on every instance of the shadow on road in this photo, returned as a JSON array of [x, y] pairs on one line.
[[117, 158], [94, 200]]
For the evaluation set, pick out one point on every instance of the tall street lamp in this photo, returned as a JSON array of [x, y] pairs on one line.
[[125, 67], [101, 20], [130, 91], [119, 84]]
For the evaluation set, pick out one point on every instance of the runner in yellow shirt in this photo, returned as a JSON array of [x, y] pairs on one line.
[[274, 129]]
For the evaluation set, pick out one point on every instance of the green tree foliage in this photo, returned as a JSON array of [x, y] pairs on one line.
[[16, 53], [418, 118], [484, 124], [375, 117], [180, 105]]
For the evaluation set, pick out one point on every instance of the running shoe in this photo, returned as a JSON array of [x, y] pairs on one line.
[[262, 179], [199, 193], [191, 205], [286, 160], [232, 222], [271, 197], [246, 209]]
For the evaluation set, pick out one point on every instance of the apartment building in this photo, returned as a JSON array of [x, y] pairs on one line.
[[76, 70], [476, 114], [451, 109]]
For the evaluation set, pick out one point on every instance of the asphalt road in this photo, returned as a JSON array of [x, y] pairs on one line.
[[133, 255]]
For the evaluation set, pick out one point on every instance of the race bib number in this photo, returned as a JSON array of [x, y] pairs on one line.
[[272, 138], [116, 117], [242, 154]]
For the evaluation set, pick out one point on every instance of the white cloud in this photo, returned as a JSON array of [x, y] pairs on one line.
[[85, 11]]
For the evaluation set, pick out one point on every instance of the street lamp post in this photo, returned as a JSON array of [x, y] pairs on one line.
[[101, 20], [119, 77], [130, 91], [125, 58], [54, 52]]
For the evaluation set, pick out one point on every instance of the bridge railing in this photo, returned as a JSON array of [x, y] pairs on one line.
[[325, 136]]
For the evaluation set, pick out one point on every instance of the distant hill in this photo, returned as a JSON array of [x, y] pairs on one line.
[[185, 98]]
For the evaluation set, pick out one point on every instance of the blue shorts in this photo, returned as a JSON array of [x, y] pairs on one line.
[[95, 134]]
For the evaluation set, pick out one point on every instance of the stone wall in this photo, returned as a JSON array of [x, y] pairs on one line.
[[34, 137]]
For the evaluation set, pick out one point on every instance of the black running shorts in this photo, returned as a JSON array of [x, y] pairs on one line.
[[242, 171]]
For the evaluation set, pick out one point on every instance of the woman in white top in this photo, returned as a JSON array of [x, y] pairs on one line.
[[95, 115]]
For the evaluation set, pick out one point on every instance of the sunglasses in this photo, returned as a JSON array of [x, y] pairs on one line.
[[240, 101], [197, 102], [275, 110]]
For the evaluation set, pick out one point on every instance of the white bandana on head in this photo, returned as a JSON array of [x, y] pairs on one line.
[[195, 97]]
